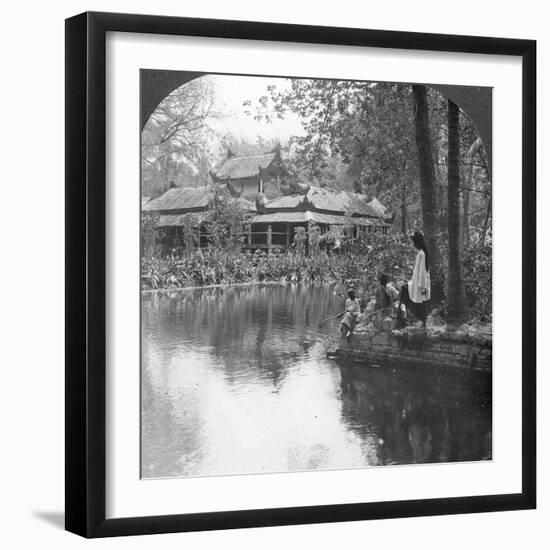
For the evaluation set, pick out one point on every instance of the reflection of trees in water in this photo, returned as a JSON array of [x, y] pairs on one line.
[[419, 415], [261, 328], [199, 345], [250, 335]]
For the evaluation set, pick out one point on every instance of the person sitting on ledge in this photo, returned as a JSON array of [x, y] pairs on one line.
[[416, 294], [384, 298], [382, 301], [351, 315]]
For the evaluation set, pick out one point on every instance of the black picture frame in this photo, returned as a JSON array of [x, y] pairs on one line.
[[86, 274]]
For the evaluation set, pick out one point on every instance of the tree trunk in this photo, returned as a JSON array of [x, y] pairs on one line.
[[403, 209], [427, 187], [457, 303]]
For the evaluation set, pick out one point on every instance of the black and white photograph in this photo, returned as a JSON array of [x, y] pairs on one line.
[[316, 274], [279, 278]]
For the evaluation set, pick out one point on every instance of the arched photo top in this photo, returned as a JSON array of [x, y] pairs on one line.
[[191, 122]]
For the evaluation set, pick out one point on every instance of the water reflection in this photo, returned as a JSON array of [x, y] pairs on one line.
[[236, 381], [419, 415]]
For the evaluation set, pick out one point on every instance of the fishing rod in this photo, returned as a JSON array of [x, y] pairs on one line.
[[363, 318], [333, 317]]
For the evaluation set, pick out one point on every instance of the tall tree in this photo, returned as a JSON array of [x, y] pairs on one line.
[[357, 135], [427, 186], [457, 302], [176, 140]]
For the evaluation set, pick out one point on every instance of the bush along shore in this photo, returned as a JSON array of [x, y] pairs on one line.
[[392, 255]]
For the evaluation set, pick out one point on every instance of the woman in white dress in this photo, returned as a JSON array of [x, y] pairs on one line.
[[416, 294]]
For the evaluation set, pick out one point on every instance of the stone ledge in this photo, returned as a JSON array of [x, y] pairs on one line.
[[412, 346]]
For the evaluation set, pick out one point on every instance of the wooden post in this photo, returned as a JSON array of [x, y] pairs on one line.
[[287, 235], [269, 237], [250, 235]]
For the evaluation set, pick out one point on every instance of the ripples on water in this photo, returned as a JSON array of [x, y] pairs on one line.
[[235, 380]]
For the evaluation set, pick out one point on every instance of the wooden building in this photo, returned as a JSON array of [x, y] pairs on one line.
[[248, 176], [181, 207], [274, 225], [272, 221]]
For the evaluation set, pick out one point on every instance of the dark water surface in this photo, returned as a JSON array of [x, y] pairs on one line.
[[236, 381]]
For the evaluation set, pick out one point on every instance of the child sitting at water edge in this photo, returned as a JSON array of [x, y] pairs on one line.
[[351, 315]]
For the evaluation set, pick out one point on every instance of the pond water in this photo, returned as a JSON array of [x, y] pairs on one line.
[[235, 380]]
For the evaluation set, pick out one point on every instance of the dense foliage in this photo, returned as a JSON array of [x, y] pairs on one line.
[[478, 276], [361, 266], [226, 222]]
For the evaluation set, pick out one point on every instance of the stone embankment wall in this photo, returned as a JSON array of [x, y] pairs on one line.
[[418, 347]]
